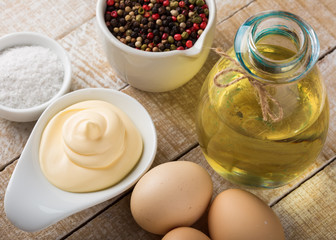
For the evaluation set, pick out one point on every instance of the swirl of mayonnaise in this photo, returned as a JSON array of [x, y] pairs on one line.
[[89, 146]]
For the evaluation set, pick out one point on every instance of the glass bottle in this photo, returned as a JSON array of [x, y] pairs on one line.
[[263, 112]]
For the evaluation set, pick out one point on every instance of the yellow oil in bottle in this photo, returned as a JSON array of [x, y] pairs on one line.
[[247, 150]]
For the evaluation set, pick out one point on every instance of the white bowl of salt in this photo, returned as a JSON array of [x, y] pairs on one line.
[[34, 71]]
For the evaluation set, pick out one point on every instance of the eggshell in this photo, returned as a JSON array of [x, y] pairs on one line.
[[171, 195], [185, 233], [239, 215]]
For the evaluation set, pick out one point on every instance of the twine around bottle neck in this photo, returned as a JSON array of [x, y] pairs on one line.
[[264, 96]]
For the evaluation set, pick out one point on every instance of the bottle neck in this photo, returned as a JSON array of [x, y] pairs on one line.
[[276, 47]]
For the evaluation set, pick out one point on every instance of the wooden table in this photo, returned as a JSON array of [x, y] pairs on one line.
[[306, 208]]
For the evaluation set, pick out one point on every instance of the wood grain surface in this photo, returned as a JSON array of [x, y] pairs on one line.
[[305, 207]]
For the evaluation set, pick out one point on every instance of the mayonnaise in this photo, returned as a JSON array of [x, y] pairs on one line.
[[89, 146]]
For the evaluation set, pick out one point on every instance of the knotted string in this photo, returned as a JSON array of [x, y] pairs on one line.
[[264, 96]]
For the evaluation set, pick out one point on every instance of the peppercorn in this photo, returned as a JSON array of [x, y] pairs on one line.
[[138, 18], [200, 2], [206, 11], [165, 3], [181, 18], [161, 10], [156, 39], [143, 47], [162, 25], [141, 10], [196, 19], [185, 35], [110, 2], [177, 37], [203, 25], [170, 39], [189, 44]]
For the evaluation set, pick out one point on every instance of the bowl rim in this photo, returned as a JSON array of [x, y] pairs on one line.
[[100, 10], [36, 39]]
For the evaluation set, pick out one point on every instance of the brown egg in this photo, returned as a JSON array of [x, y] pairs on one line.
[[185, 233], [171, 195], [239, 215]]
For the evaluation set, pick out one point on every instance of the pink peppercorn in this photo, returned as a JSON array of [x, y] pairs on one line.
[[110, 2], [177, 37], [203, 25], [182, 4], [195, 26], [180, 48], [146, 7], [189, 44], [150, 35], [166, 3], [164, 36], [202, 15], [174, 18], [114, 14], [155, 16], [191, 7]]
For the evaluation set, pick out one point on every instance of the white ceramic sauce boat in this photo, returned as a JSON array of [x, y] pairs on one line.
[[32, 203]]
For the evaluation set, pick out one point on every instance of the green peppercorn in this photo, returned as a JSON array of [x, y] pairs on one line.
[[138, 18], [181, 18], [197, 19], [192, 1], [206, 11], [128, 32], [174, 4], [171, 39], [172, 47], [200, 2], [141, 10], [185, 35], [143, 47]]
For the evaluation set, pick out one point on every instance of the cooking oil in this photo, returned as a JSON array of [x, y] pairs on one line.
[[244, 148]]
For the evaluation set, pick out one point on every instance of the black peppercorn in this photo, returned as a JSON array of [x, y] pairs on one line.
[[156, 39], [114, 22]]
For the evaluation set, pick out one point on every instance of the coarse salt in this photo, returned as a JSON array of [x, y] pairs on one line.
[[29, 76]]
